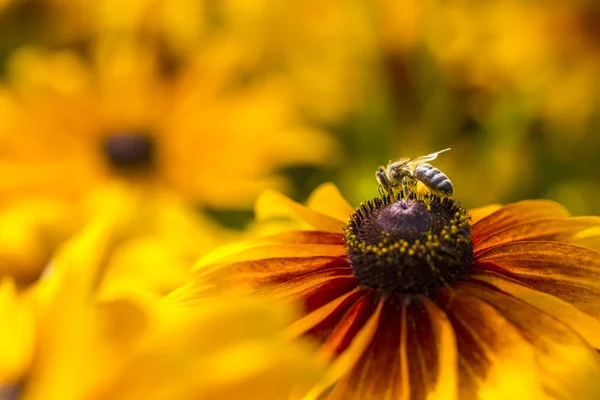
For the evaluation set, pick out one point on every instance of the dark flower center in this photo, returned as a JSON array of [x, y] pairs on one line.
[[409, 244], [130, 151]]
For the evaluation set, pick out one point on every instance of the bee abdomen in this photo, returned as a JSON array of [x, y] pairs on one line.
[[434, 179]]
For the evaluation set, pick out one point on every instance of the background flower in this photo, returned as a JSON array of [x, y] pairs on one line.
[[391, 80], [105, 100]]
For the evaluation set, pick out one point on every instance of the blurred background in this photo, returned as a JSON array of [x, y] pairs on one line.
[[221, 99]]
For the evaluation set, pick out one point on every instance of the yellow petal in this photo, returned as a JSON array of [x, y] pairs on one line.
[[328, 200], [17, 334], [583, 324], [481, 212], [29, 231], [223, 347], [145, 264], [588, 238], [272, 204]]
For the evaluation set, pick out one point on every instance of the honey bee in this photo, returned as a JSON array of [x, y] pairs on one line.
[[407, 173]]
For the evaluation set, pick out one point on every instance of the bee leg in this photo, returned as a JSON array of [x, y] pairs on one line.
[[405, 187], [381, 191], [427, 202]]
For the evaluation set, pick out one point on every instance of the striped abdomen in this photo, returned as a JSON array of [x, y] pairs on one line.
[[434, 179]]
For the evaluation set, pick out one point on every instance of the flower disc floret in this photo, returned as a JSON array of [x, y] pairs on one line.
[[409, 243]]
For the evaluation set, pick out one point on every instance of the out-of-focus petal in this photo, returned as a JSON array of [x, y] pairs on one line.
[[328, 200], [588, 238], [563, 270], [145, 264], [217, 349], [29, 231], [583, 324], [561, 230], [17, 334], [516, 213], [271, 204]]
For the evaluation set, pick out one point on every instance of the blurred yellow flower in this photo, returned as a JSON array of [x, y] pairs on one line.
[[131, 344], [69, 124], [323, 50], [324, 65], [183, 129]]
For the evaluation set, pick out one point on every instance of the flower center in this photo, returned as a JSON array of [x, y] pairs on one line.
[[130, 151], [409, 244]]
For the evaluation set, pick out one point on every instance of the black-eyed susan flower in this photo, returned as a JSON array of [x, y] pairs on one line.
[[414, 297], [196, 136], [63, 339], [70, 123]]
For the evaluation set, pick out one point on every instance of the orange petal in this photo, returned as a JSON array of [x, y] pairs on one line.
[[351, 322], [322, 316], [270, 251], [272, 271], [381, 372], [559, 229], [493, 358], [516, 213], [328, 200], [566, 366], [318, 289], [431, 353], [583, 324], [346, 361], [272, 204], [307, 237], [481, 212], [563, 270], [412, 356]]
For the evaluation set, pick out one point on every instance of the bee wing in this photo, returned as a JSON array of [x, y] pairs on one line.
[[428, 157], [412, 164]]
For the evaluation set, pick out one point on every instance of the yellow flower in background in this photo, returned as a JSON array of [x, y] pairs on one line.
[[132, 344], [191, 130], [324, 65], [328, 64], [415, 297], [17, 333], [69, 125]]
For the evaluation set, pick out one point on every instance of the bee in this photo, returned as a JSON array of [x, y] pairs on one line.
[[407, 173]]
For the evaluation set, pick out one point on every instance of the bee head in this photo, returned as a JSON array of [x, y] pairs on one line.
[[382, 177]]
